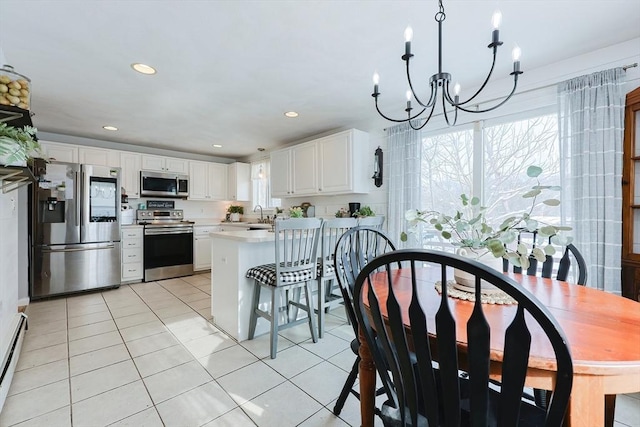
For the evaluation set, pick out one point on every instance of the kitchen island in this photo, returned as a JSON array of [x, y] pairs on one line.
[[232, 254]]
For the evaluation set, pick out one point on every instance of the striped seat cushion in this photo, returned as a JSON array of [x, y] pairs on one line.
[[267, 274]]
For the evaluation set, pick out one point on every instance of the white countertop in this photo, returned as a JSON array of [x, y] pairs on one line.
[[248, 236]]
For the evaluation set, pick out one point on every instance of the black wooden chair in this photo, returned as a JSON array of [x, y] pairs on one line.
[[355, 248], [420, 395], [571, 257], [571, 265]]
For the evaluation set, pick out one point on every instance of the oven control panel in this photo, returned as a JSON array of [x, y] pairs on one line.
[[160, 215]]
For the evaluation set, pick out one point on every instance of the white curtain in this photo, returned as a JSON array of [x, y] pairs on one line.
[[405, 148], [591, 121]]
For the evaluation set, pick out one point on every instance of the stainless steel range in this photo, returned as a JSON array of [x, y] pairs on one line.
[[168, 243]]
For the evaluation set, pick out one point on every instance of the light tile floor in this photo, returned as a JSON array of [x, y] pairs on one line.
[[147, 355]]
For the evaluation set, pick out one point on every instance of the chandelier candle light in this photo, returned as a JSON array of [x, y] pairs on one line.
[[441, 80]]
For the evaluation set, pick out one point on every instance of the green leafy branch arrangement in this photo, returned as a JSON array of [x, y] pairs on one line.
[[18, 144], [469, 228]]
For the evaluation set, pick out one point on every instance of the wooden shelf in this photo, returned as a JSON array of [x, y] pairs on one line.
[[14, 177]]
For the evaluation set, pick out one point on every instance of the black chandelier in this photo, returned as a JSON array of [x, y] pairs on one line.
[[441, 80]]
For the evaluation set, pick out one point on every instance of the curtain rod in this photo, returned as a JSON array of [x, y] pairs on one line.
[[624, 68]]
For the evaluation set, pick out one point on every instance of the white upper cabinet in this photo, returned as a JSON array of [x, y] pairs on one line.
[[335, 164], [304, 159], [164, 164], [239, 182], [207, 181], [342, 163], [98, 156], [130, 176], [60, 152], [280, 174]]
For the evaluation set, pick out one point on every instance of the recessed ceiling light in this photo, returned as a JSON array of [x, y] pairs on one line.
[[109, 128], [143, 68], [291, 114], [217, 146]]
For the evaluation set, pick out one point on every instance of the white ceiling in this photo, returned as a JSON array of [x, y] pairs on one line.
[[228, 70]]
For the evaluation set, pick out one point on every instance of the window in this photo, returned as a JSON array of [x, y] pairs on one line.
[[261, 185], [489, 161]]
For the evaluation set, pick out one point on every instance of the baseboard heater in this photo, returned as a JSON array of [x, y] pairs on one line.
[[10, 359]]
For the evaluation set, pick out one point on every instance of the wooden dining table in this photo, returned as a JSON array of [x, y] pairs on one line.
[[602, 329]]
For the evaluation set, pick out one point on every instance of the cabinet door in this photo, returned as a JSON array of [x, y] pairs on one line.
[[202, 246], [60, 152], [131, 163], [280, 175], [335, 160], [153, 163], [239, 182], [198, 180], [305, 175], [94, 156], [177, 165], [218, 176]]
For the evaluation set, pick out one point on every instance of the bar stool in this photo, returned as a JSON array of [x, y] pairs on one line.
[[371, 221], [296, 244], [332, 229]]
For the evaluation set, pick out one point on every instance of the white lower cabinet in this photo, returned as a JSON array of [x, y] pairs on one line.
[[132, 253], [202, 246]]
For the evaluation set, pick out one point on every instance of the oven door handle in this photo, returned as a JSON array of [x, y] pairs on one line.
[[152, 232]]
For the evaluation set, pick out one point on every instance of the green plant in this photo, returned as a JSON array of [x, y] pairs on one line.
[[18, 144], [235, 209], [364, 211], [295, 212], [469, 228]]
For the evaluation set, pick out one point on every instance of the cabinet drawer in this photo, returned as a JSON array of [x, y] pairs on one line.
[[204, 231], [131, 243], [132, 233], [130, 255], [132, 271]]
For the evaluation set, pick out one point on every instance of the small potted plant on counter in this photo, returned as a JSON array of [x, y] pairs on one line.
[[295, 212], [234, 212], [364, 211]]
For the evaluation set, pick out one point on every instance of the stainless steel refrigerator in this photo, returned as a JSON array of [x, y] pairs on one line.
[[76, 231]]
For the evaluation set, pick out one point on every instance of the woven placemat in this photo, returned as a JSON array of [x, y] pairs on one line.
[[493, 298]]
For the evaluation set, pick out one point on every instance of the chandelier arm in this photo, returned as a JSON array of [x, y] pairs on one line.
[[433, 107], [432, 97], [486, 110], [398, 120], [493, 64], [444, 110]]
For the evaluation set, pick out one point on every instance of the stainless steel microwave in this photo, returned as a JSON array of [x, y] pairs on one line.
[[164, 184]]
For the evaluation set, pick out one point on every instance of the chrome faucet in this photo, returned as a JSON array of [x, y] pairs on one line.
[[261, 218]]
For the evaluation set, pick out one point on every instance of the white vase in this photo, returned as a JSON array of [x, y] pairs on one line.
[[466, 281], [234, 217]]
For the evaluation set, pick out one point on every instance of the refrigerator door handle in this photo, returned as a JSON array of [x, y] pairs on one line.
[[46, 251], [77, 199]]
